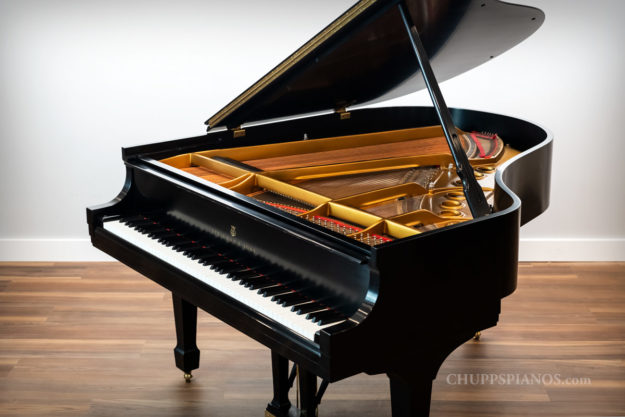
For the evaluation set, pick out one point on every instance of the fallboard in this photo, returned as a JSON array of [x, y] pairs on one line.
[[261, 239]]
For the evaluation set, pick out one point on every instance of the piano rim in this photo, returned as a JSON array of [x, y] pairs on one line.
[[112, 245], [150, 156]]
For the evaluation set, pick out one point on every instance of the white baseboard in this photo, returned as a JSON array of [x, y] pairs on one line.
[[50, 250], [80, 250], [558, 250]]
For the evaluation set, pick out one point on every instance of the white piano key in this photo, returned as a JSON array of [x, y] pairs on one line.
[[297, 323]]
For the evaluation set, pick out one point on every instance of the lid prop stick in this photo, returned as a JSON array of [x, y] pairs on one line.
[[475, 196]]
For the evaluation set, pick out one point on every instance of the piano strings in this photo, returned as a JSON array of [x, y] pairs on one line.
[[373, 188]]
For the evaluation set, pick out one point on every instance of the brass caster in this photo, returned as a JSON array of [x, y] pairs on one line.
[[187, 378], [477, 336]]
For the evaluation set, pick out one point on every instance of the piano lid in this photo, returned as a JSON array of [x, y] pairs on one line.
[[365, 56]]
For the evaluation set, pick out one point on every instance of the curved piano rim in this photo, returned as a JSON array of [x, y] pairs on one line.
[[516, 182]]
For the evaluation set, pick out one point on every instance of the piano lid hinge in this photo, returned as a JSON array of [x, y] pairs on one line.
[[237, 132], [344, 114]]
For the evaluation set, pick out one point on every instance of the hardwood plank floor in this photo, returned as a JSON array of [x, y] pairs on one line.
[[96, 339]]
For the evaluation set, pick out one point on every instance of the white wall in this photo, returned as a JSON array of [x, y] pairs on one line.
[[81, 78]]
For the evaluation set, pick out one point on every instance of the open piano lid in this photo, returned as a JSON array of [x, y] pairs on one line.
[[365, 56]]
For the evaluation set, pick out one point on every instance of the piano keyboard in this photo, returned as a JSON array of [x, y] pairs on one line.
[[267, 290]]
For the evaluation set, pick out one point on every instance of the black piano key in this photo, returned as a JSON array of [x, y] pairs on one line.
[[184, 248], [313, 316], [146, 228], [245, 278], [249, 262], [137, 222], [178, 240], [198, 253], [194, 256], [226, 268], [241, 260], [153, 232], [181, 246], [210, 253], [290, 299], [337, 317], [155, 236], [296, 284], [150, 227], [223, 261], [274, 290], [290, 283], [181, 239], [252, 272], [257, 283], [132, 218], [243, 274], [135, 217], [197, 248], [175, 246], [325, 317], [279, 297], [268, 272], [164, 238], [208, 259], [308, 308], [330, 319]]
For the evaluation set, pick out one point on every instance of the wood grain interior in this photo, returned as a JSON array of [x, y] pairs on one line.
[[207, 174], [290, 174], [417, 147]]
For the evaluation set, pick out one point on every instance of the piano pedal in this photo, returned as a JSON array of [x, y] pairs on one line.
[[477, 336], [187, 377]]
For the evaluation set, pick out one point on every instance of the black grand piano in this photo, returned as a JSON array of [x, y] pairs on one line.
[[345, 240]]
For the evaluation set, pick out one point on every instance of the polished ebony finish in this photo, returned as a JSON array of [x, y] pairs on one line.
[[308, 393], [402, 290], [280, 404], [410, 396], [368, 58], [437, 288], [186, 352]]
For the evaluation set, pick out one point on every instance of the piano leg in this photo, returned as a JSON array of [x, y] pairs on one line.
[[280, 405], [410, 396], [308, 393], [186, 352]]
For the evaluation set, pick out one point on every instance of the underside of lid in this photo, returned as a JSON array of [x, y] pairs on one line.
[[365, 56]]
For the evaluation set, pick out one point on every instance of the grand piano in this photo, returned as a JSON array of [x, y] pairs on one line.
[[346, 238]]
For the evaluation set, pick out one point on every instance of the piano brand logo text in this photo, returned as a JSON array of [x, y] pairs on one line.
[[515, 379]]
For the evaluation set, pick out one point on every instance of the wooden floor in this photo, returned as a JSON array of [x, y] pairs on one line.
[[97, 339]]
